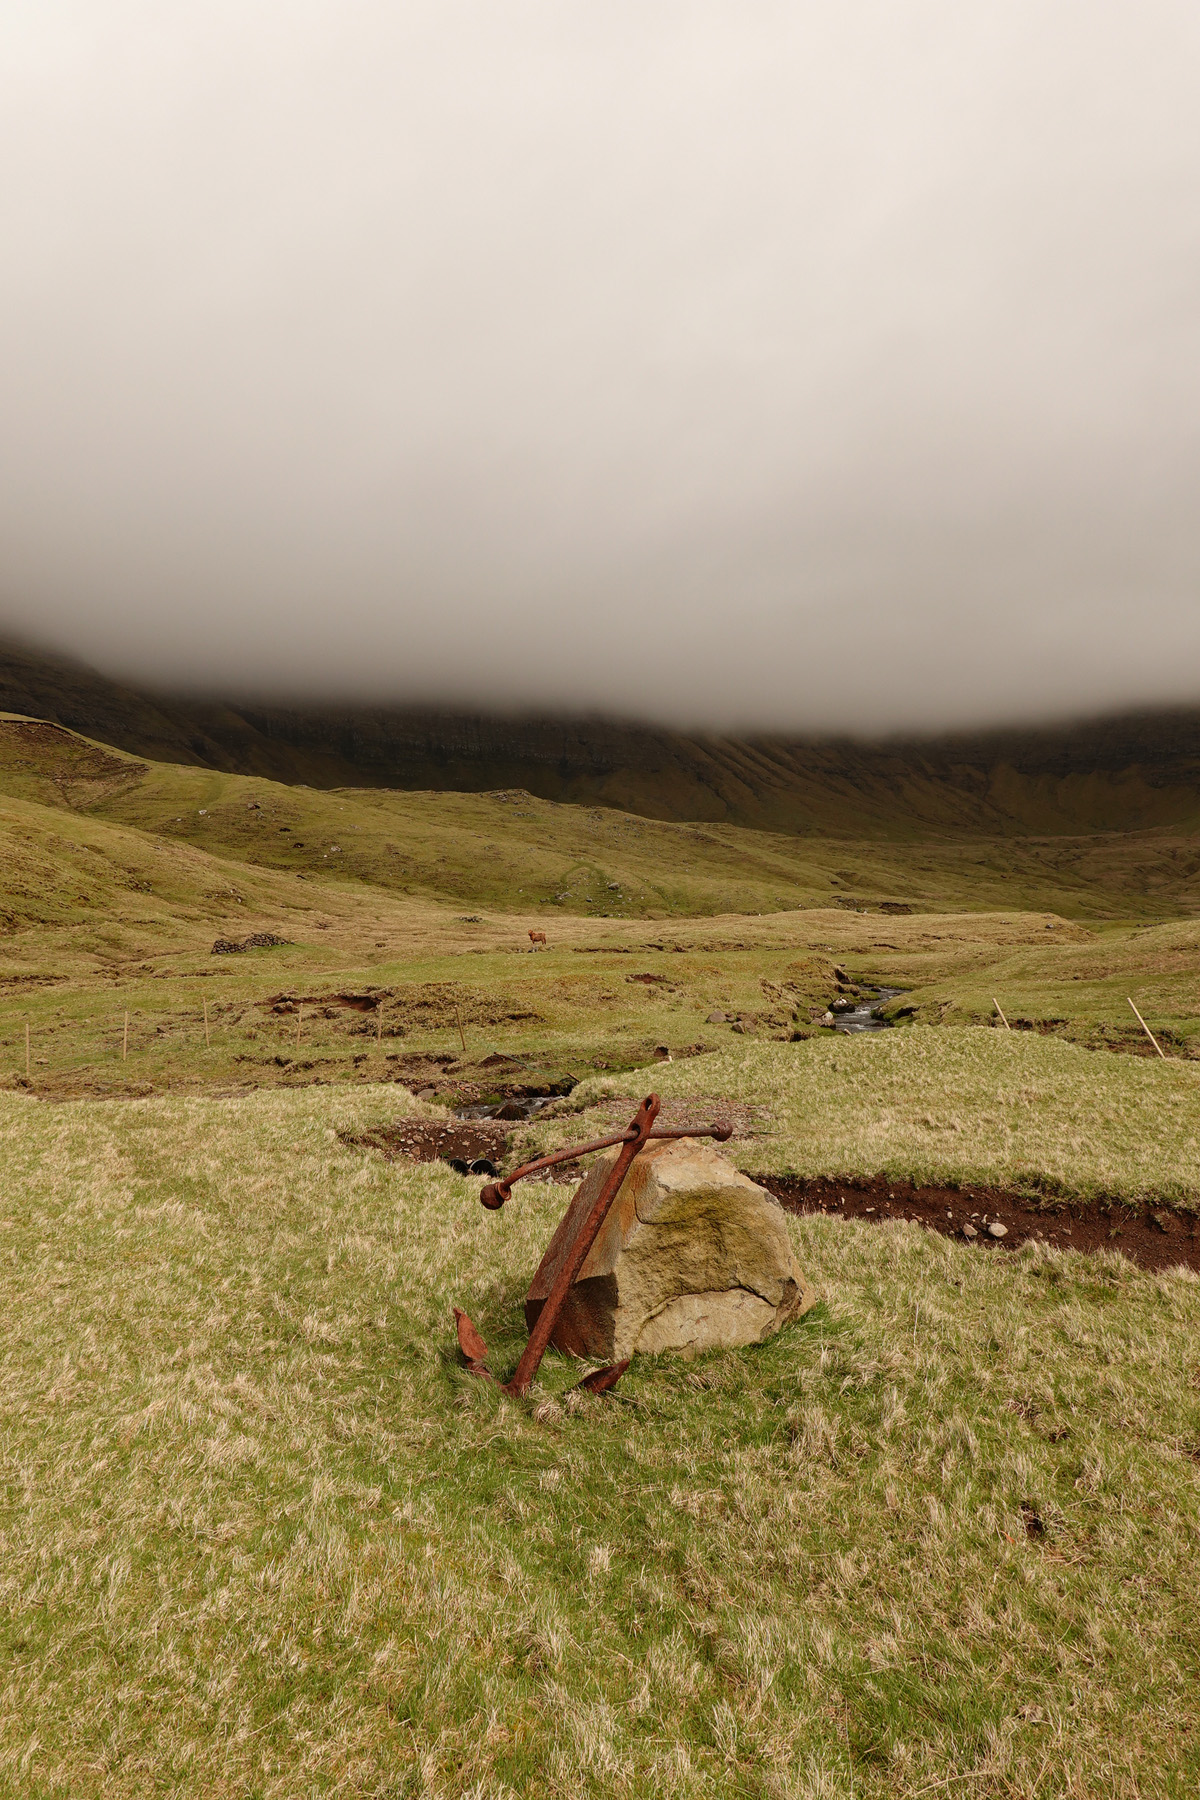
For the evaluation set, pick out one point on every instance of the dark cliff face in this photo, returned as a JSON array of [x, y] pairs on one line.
[[1116, 774]]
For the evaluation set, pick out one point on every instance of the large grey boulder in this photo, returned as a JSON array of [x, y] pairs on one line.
[[692, 1256]]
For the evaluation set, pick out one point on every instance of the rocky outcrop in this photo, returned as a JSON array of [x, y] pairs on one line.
[[692, 1256]]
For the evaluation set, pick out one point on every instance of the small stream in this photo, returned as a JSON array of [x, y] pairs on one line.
[[865, 1016], [502, 1110], [526, 1106]]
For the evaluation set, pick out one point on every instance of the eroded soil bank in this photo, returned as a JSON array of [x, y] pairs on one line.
[[1154, 1237], [431, 1140]]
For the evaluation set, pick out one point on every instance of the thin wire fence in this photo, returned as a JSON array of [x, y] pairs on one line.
[[33, 1047]]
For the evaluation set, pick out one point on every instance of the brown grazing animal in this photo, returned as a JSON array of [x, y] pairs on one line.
[[536, 938]]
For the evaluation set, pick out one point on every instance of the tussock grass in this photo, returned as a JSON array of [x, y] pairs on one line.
[[261, 1536], [1010, 1109]]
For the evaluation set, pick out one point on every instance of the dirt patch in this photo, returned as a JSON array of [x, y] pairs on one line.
[[1154, 1237], [39, 748], [432, 1140]]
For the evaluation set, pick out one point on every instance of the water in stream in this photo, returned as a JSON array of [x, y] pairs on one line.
[[865, 1016], [524, 1106]]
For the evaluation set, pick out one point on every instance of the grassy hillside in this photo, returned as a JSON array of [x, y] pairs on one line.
[[262, 1535], [515, 852], [1125, 774], [402, 914]]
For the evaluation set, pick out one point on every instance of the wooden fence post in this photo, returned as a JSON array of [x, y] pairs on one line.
[[1137, 1015]]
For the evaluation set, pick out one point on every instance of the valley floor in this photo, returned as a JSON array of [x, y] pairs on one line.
[[263, 1534]]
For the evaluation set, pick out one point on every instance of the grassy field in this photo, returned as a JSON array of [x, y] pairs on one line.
[[261, 1535], [1002, 1109], [116, 877], [368, 990]]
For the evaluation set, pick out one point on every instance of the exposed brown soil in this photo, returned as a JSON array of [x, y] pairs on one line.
[[428, 1140], [1154, 1237]]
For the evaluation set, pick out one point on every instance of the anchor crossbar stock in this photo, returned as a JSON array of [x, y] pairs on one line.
[[633, 1139], [497, 1192]]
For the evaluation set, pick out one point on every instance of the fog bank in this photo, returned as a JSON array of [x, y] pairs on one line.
[[787, 366]]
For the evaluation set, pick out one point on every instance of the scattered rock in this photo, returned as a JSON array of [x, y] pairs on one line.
[[969, 1231], [482, 1165], [692, 1256], [476, 1144], [715, 1018], [997, 1230], [258, 940]]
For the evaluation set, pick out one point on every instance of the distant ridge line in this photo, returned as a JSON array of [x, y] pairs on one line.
[[1122, 772]]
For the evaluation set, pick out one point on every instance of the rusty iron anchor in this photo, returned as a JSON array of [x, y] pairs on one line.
[[633, 1139]]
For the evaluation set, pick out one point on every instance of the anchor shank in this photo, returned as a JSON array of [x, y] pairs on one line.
[[546, 1320]]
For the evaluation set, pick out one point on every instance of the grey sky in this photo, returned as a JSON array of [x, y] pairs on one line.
[[796, 365]]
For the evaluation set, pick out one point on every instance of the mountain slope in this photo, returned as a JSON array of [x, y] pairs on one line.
[[514, 852], [1131, 773]]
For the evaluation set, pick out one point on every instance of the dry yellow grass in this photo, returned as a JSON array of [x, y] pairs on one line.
[[1005, 1109], [262, 1537]]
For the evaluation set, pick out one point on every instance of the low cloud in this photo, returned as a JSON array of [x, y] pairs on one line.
[[783, 366]]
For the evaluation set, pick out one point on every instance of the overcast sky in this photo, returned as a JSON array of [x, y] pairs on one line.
[[800, 365]]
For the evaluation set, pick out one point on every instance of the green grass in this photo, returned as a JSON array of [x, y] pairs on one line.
[[990, 1107], [1078, 985], [262, 1536], [116, 876], [514, 851], [564, 1013]]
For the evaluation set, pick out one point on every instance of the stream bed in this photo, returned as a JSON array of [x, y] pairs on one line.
[[865, 1016]]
